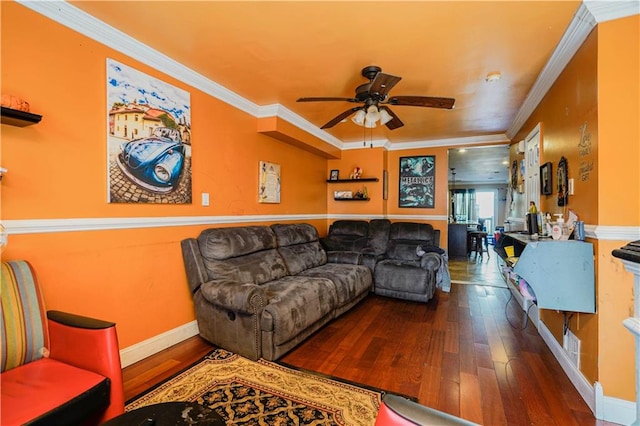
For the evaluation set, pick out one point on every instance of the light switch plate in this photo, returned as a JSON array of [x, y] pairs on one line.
[[205, 199], [570, 186]]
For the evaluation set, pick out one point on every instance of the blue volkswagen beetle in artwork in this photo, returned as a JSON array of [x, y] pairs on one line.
[[155, 162]]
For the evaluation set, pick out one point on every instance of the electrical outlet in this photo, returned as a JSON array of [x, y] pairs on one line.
[[571, 345]]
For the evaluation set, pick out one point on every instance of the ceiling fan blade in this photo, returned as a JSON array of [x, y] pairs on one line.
[[327, 99], [340, 117], [382, 83], [395, 122], [422, 101]]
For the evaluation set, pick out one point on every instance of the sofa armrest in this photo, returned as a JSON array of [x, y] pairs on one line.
[[90, 344], [396, 410], [352, 257], [430, 261], [234, 296]]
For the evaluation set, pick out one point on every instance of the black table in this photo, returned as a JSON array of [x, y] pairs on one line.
[[168, 413]]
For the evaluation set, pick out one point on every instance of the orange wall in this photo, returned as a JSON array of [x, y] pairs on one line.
[[619, 194], [58, 171], [599, 88]]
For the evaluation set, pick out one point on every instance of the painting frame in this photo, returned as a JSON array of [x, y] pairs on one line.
[[269, 185], [334, 175], [546, 179], [144, 113], [417, 181]]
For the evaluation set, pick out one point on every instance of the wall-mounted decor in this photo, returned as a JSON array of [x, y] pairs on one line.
[[546, 185], [385, 185], [563, 182], [269, 189], [335, 174], [417, 181], [148, 138]]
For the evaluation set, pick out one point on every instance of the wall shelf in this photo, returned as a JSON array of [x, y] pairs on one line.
[[14, 117], [351, 199], [369, 179]]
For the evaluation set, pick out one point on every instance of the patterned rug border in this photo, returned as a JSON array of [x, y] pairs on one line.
[[316, 390]]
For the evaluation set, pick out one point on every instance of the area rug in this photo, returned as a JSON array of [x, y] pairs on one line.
[[265, 393]]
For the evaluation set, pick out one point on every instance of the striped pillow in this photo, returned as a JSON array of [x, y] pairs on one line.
[[23, 320]]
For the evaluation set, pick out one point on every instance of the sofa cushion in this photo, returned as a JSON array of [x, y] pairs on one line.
[[299, 247], [403, 277], [412, 231], [225, 243], [350, 280], [296, 303], [403, 250], [241, 254], [257, 268]]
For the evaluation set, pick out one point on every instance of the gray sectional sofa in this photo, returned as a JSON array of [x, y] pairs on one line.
[[261, 290], [405, 257]]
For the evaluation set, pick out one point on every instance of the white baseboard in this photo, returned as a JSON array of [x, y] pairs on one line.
[[134, 353], [604, 407]]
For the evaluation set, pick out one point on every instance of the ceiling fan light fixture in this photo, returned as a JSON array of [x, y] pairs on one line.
[[373, 114], [359, 117], [385, 117], [369, 124]]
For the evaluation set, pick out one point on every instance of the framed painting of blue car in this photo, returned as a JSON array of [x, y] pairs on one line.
[[417, 181], [148, 138]]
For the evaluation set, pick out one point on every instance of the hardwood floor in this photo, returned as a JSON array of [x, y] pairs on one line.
[[464, 352]]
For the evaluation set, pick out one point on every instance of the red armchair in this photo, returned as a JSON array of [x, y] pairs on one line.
[[57, 368]]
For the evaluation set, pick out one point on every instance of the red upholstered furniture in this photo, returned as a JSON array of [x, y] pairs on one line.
[[57, 368], [398, 411]]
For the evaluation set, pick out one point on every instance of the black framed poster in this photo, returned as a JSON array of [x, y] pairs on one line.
[[417, 181]]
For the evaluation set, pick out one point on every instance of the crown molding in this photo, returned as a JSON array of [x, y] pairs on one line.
[[499, 139], [609, 10]]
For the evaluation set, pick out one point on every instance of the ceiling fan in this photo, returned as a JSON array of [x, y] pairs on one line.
[[374, 96]]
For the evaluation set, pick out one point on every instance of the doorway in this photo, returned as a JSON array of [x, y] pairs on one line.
[[486, 205]]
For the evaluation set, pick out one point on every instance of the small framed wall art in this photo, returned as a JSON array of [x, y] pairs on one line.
[[546, 186], [334, 175]]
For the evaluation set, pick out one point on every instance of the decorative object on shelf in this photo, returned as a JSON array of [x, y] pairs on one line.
[[546, 186], [14, 102], [417, 181], [148, 140], [334, 175], [342, 194], [356, 174], [2, 171], [563, 182], [269, 183]]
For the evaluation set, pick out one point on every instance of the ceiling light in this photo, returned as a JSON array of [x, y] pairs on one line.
[[372, 115], [385, 117], [359, 117], [493, 76], [367, 117]]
